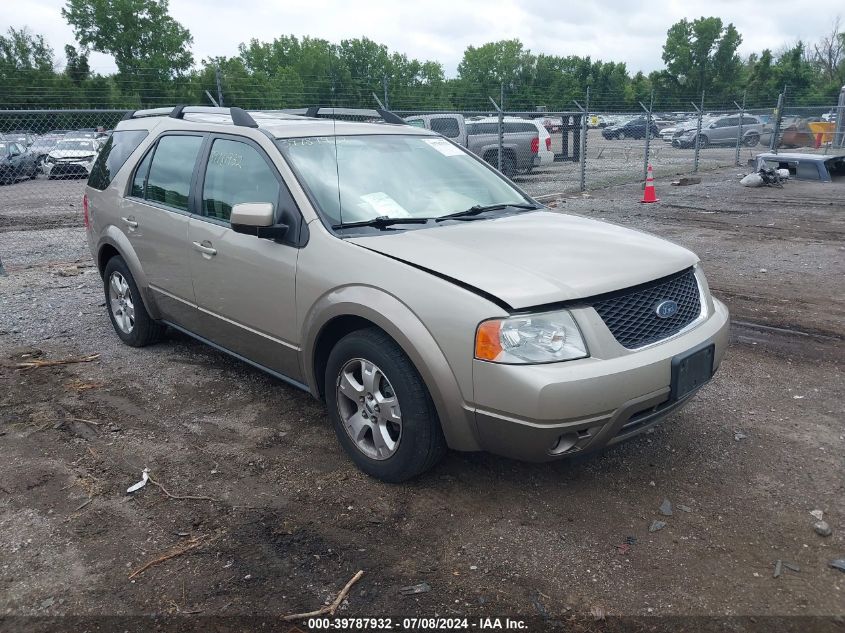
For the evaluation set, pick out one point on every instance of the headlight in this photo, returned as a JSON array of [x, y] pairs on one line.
[[532, 338], [50, 159], [689, 133]]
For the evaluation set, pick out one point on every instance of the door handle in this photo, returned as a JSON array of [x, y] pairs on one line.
[[205, 250], [130, 222]]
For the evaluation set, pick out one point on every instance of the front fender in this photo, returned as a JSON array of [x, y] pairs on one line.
[[395, 318], [114, 237]]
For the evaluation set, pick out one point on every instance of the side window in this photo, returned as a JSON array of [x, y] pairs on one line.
[[749, 120], [446, 126], [113, 155], [415, 122], [169, 181], [236, 172], [16, 150], [138, 184]]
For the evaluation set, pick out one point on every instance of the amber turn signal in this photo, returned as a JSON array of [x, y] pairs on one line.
[[487, 344]]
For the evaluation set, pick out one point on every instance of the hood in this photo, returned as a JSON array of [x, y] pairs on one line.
[[58, 154], [536, 258]]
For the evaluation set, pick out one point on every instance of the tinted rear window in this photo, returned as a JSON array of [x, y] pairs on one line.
[[446, 126], [113, 156], [169, 181]]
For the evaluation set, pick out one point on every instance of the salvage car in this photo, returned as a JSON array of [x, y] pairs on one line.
[[16, 163], [71, 157], [399, 278], [637, 127], [724, 130]]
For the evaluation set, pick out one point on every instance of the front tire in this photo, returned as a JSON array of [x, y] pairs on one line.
[[620, 136], [703, 141], [381, 410], [129, 317]]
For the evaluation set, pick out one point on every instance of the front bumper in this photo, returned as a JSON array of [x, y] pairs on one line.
[[545, 412], [67, 169]]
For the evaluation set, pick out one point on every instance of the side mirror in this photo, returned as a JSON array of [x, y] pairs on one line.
[[256, 218], [252, 214]]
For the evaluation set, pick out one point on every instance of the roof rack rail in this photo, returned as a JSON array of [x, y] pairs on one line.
[[240, 117], [386, 115]]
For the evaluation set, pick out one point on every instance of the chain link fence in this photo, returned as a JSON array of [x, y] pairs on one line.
[[545, 152]]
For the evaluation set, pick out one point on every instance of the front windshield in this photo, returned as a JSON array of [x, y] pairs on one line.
[[360, 178], [76, 145]]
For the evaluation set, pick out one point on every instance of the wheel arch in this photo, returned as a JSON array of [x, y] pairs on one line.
[[114, 243], [356, 307]]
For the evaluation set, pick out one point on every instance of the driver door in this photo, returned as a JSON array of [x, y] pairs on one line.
[[244, 285]]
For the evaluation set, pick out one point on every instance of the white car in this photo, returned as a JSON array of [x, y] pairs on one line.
[[545, 155], [71, 157]]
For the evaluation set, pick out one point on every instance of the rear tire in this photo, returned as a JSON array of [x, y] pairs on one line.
[[752, 139], [128, 315], [410, 439]]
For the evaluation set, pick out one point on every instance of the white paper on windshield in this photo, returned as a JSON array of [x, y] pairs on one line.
[[444, 147], [385, 205]]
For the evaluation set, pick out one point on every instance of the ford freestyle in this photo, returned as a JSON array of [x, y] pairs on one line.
[[397, 276]]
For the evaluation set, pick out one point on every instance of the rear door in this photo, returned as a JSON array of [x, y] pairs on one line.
[[245, 285], [154, 216]]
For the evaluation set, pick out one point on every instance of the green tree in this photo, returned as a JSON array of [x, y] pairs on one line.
[[484, 69], [144, 40], [26, 69], [701, 56], [76, 64]]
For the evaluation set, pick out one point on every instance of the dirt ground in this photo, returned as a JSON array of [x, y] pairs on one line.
[[288, 520]]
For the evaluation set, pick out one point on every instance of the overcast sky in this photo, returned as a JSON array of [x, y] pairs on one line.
[[619, 30]]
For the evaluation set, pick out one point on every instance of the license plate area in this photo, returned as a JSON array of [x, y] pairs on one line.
[[691, 370]]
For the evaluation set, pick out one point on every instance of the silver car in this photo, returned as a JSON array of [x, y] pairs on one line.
[[723, 130], [395, 275]]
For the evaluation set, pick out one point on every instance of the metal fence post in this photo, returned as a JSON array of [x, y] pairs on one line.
[[585, 115], [386, 101], [501, 130], [698, 131], [739, 133], [839, 136], [219, 86], [773, 143], [647, 133]]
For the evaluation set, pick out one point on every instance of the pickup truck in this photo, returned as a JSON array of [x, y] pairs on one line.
[[520, 146]]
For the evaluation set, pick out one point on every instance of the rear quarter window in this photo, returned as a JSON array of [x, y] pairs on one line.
[[113, 156]]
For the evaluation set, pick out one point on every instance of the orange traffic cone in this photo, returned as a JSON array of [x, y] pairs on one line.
[[648, 193]]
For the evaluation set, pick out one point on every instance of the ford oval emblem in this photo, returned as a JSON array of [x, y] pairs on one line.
[[666, 308]]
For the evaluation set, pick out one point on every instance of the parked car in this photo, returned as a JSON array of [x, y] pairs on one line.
[[72, 157], [24, 138], [668, 133], [400, 278], [721, 130], [16, 163], [42, 146], [521, 140], [517, 125], [635, 128]]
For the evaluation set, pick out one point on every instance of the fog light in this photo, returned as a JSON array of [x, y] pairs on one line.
[[564, 443]]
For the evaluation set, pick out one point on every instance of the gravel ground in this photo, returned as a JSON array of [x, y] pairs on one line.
[[290, 520]]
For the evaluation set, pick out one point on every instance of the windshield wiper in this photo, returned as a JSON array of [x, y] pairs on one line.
[[481, 208], [380, 222]]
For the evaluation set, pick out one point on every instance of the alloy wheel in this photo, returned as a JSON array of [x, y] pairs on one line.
[[121, 303], [369, 408]]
